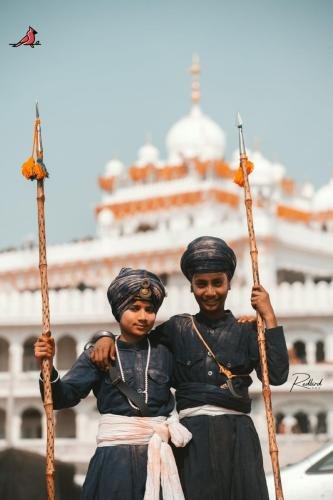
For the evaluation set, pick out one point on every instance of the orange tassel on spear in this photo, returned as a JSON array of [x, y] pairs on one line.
[[241, 178], [32, 169]]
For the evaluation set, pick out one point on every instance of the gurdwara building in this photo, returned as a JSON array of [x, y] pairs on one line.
[[148, 213]]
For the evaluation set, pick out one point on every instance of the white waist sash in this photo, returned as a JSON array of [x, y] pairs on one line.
[[162, 471], [210, 410]]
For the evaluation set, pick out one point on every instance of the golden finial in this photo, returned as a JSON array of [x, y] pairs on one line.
[[195, 70]]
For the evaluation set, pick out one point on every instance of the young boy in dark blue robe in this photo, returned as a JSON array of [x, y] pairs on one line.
[[133, 459], [223, 461]]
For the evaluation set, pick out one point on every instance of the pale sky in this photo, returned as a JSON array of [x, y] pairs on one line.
[[107, 72]]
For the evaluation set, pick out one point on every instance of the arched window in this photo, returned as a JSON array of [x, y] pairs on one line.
[[66, 352], [2, 424], [4, 355], [300, 351], [65, 424], [29, 361], [320, 351], [31, 426], [303, 423]]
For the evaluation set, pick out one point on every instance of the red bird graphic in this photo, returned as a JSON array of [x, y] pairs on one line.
[[28, 39]]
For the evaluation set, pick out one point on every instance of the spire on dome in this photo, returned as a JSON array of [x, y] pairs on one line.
[[195, 135], [195, 70]]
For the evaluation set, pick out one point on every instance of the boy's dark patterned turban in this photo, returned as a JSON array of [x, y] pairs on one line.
[[208, 255], [131, 284]]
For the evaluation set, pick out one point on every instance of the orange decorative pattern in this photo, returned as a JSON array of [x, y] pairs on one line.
[[288, 186], [139, 174], [293, 214], [130, 208], [228, 198], [202, 167], [106, 183], [323, 216], [222, 169]]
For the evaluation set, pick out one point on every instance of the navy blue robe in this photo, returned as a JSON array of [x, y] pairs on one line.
[[223, 461], [118, 472]]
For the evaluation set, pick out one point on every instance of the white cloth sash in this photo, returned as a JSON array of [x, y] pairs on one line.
[[210, 410], [162, 471]]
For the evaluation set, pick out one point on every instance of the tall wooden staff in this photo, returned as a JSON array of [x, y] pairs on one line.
[[241, 178], [35, 170]]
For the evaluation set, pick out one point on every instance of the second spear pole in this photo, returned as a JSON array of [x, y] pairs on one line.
[[273, 448]]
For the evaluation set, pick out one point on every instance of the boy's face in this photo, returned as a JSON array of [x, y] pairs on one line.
[[210, 291], [138, 319]]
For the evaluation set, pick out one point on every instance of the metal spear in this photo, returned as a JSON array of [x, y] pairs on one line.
[[273, 448], [35, 170]]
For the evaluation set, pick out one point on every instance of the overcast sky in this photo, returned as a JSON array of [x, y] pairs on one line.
[[107, 72]]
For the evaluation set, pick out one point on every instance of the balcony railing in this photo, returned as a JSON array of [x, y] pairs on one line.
[[74, 306]]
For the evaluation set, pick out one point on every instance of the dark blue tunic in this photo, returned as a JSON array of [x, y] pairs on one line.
[[223, 461], [118, 472]]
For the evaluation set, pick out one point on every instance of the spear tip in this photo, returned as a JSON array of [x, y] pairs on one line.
[[37, 110], [239, 120]]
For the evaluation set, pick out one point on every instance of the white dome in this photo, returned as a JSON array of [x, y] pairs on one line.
[[265, 172], [105, 217], [148, 155], [307, 190], [114, 168], [195, 135], [323, 199]]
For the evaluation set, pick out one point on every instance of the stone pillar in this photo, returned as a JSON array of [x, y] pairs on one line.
[[15, 358], [329, 348], [289, 422], [311, 353], [16, 428], [313, 421]]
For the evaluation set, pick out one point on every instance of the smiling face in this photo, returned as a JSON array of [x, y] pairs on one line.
[[137, 320], [210, 291]]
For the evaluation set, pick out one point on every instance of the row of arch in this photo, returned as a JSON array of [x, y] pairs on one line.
[[31, 424], [298, 352], [301, 423], [65, 351]]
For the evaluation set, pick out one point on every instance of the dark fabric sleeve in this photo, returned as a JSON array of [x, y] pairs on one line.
[[164, 334], [98, 335], [75, 385], [277, 354]]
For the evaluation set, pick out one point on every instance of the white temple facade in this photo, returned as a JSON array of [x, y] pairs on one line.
[[148, 213]]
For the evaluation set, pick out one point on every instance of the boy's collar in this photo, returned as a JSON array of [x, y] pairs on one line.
[[214, 323]]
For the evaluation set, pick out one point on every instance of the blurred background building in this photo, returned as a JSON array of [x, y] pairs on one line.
[[147, 214]]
